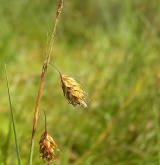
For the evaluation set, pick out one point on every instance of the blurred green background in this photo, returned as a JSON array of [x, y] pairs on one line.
[[112, 48]]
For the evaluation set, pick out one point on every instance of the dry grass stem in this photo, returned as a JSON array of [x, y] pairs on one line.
[[42, 80]]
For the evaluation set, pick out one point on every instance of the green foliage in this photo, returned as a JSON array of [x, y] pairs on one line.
[[12, 121], [112, 47]]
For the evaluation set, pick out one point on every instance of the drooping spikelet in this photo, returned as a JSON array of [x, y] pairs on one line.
[[48, 147], [73, 91]]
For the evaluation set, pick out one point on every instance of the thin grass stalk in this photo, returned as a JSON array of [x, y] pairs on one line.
[[156, 120], [45, 121], [6, 146], [42, 80], [12, 118]]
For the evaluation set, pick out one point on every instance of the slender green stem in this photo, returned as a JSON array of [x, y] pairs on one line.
[[55, 68], [12, 118], [156, 114], [7, 143], [31, 152]]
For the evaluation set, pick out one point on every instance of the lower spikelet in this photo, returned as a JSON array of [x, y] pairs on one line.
[[48, 147], [72, 91]]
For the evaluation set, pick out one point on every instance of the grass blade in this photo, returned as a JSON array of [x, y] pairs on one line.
[[156, 114], [12, 118], [5, 148]]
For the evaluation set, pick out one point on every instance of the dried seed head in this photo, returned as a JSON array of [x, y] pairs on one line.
[[72, 91], [48, 147]]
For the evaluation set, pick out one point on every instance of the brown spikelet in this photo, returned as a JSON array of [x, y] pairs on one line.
[[73, 91], [48, 147]]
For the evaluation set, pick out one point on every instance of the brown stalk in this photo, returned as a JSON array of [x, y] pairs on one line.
[[42, 79]]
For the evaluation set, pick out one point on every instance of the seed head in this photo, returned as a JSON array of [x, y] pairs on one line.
[[48, 147], [73, 91]]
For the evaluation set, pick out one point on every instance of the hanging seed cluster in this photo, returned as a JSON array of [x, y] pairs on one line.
[[48, 147], [73, 91]]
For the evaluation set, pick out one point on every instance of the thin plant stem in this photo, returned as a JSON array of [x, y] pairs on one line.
[[7, 143], [42, 80], [55, 68], [50, 50], [156, 118], [45, 121], [12, 118], [35, 120]]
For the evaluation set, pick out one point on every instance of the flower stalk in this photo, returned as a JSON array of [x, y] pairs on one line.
[[42, 80]]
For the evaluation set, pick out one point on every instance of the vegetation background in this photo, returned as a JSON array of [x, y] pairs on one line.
[[112, 48]]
